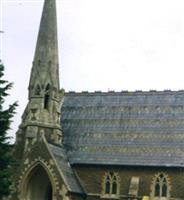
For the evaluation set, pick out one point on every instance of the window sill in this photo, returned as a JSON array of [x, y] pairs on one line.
[[109, 196], [159, 198]]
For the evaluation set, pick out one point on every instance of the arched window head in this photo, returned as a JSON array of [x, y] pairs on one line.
[[110, 184], [37, 90], [47, 97], [160, 186]]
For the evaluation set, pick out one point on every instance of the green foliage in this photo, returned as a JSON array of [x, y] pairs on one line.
[[6, 115]]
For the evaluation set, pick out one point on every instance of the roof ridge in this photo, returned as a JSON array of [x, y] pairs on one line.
[[166, 91]]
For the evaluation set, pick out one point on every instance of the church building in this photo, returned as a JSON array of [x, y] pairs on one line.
[[95, 146]]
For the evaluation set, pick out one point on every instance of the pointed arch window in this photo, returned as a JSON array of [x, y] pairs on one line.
[[161, 187], [47, 97], [110, 185]]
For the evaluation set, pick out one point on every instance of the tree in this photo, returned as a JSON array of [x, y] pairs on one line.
[[6, 114]]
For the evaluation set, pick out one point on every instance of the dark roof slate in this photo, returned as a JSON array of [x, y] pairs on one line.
[[125, 128], [68, 174]]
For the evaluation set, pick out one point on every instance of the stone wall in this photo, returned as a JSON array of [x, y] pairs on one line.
[[92, 178]]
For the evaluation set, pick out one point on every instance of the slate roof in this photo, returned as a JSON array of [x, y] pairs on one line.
[[66, 170], [125, 128]]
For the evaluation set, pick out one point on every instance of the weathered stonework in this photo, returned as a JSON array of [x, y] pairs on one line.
[[41, 120], [92, 182], [126, 145]]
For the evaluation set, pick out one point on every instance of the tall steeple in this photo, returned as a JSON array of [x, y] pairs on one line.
[[42, 113], [40, 124], [45, 64]]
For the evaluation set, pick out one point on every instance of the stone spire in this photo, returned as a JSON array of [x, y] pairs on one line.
[[45, 64], [42, 114]]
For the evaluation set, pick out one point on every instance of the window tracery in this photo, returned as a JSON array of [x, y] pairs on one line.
[[161, 186], [110, 184]]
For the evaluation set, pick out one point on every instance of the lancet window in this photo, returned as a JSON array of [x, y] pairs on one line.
[[47, 97], [161, 187], [111, 184]]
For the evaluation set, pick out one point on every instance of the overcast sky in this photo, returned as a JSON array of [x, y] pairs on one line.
[[103, 45]]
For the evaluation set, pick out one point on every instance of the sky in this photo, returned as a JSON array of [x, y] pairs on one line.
[[103, 45]]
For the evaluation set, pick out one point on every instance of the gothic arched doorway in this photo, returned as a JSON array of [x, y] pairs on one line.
[[39, 186]]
